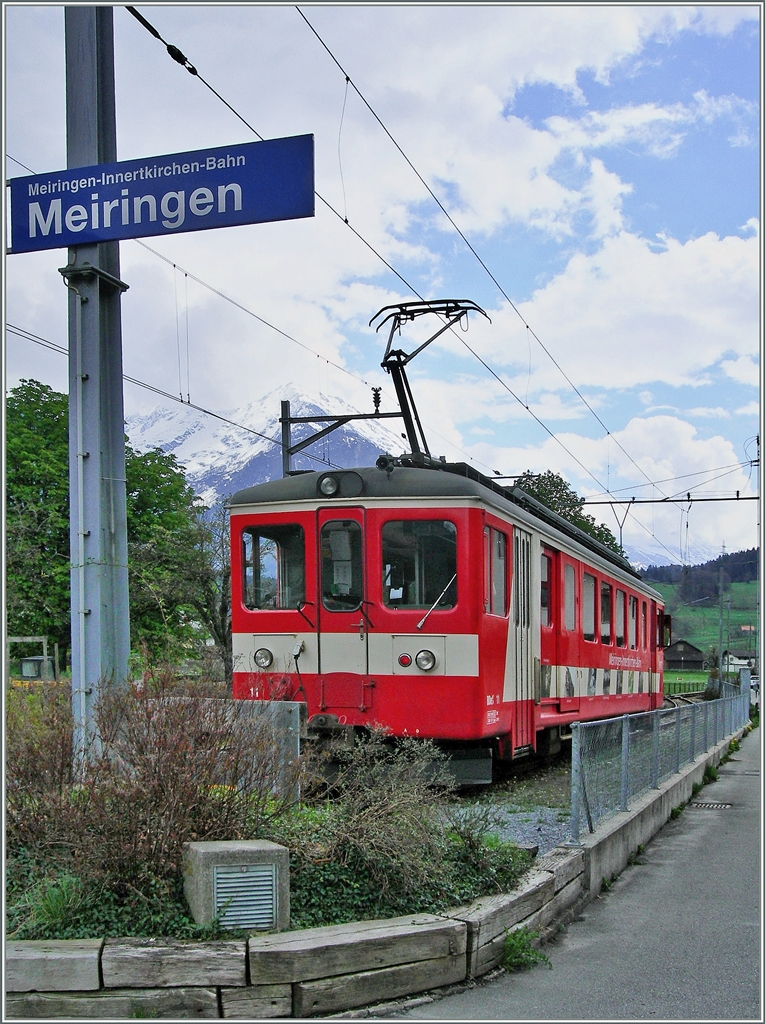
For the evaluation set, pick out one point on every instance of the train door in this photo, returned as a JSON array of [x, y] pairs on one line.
[[343, 621], [549, 625], [521, 628]]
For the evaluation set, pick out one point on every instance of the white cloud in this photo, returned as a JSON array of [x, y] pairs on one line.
[[708, 412], [745, 369], [618, 311], [669, 448], [750, 409], [660, 129], [629, 315]]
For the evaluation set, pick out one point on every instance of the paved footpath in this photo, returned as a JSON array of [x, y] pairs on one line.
[[677, 937]]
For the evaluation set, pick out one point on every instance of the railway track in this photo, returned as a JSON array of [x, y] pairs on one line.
[[678, 700]]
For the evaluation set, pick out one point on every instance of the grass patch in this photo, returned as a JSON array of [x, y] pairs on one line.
[[710, 774], [675, 813], [520, 952]]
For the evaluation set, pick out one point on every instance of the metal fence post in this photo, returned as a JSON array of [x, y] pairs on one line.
[[625, 760], [693, 732], [576, 769], [655, 758], [677, 739], [706, 726], [714, 724]]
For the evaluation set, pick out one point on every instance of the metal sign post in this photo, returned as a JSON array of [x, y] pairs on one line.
[[97, 518]]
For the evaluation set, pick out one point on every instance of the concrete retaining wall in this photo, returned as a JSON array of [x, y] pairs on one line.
[[319, 971]]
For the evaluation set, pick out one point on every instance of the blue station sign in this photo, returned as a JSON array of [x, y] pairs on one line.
[[164, 195]]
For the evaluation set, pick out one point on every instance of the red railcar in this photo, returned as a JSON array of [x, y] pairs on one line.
[[436, 603]]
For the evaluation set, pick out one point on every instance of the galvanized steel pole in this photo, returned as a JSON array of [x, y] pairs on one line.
[[625, 781], [98, 522], [576, 772]]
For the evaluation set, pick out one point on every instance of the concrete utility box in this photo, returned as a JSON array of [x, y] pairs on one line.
[[244, 883]]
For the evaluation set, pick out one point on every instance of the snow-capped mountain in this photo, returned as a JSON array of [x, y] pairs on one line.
[[220, 458]]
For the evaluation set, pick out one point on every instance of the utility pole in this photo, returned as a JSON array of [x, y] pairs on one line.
[[720, 648], [98, 521]]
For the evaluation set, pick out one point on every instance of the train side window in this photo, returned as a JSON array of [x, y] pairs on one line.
[[273, 563], [341, 565], [544, 594], [605, 613], [569, 598], [419, 559], [588, 606], [644, 626], [498, 573], [632, 622], [620, 616]]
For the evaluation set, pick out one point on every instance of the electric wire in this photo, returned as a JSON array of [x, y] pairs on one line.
[[54, 347], [472, 249], [8, 155], [671, 479], [45, 343], [273, 327], [284, 334], [181, 59]]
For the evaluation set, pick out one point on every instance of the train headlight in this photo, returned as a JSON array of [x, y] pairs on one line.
[[405, 660], [426, 660], [329, 486], [263, 657]]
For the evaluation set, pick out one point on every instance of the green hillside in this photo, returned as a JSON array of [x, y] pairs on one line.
[[699, 623]]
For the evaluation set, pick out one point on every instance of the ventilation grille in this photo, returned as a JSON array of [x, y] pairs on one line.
[[244, 895]]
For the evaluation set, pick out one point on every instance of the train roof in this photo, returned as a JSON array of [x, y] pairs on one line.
[[442, 480]]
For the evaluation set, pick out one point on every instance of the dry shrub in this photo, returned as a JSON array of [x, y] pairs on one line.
[[38, 759], [173, 768], [385, 815]]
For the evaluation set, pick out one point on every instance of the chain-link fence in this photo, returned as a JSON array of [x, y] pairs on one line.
[[615, 761]]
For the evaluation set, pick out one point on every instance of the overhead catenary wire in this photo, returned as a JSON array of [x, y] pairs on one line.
[[529, 329], [181, 59], [227, 298], [28, 336]]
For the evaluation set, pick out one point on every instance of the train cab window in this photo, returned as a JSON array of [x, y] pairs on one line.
[[588, 606], [569, 598], [621, 607], [544, 592], [419, 558], [273, 562], [605, 613], [632, 623], [341, 561], [498, 566]]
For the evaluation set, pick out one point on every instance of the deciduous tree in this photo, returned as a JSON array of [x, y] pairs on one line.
[[177, 549], [555, 492]]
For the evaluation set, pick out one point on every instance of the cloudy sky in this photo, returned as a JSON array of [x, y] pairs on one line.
[[601, 160]]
